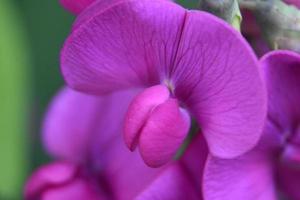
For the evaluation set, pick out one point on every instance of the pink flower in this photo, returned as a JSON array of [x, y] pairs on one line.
[[84, 132], [188, 64], [274, 164]]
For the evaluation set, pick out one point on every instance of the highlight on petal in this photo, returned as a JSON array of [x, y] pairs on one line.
[[282, 75], [217, 77], [75, 6], [79, 127], [68, 123], [125, 46]]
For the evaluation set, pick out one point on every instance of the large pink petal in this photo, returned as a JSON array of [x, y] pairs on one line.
[[217, 77], [127, 45], [282, 75], [79, 127], [76, 6]]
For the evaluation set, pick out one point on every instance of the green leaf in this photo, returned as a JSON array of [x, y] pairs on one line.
[[14, 67]]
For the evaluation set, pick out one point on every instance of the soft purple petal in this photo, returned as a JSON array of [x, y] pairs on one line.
[[79, 127], [128, 45], [248, 177], [216, 75], [59, 181], [172, 184], [76, 6], [289, 180], [51, 174], [282, 75]]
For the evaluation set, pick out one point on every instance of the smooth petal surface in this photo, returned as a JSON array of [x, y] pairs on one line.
[[163, 133], [52, 174], [139, 111], [75, 6], [79, 127], [289, 180], [216, 76], [128, 45], [282, 75], [248, 177]]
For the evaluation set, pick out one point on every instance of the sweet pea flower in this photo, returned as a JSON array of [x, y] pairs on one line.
[[84, 133], [274, 165], [187, 64]]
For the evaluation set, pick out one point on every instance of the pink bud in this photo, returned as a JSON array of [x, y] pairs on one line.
[[156, 124], [59, 181]]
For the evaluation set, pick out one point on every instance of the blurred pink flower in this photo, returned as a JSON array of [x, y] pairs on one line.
[[275, 163], [189, 63], [84, 132], [75, 6]]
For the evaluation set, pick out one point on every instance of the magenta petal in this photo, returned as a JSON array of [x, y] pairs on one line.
[[79, 127], [127, 45], [289, 181], [56, 173], [173, 184], [76, 6], [163, 133], [68, 124], [217, 77], [139, 111], [282, 75], [248, 177], [60, 181]]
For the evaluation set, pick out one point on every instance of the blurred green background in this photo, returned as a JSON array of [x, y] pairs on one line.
[[31, 36]]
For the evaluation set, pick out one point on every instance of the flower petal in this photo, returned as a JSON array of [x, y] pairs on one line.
[[55, 173], [59, 181], [163, 133], [139, 111], [289, 181], [78, 127], [217, 77], [127, 45], [247, 177], [282, 75], [75, 6]]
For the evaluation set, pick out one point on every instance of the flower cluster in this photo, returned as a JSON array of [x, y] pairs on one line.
[[167, 103]]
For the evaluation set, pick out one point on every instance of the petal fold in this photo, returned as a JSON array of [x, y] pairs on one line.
[[216, 75], [139, 111], [163, 133]]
